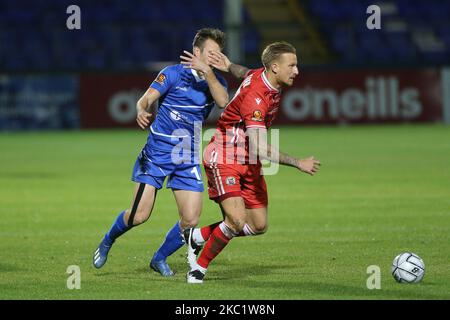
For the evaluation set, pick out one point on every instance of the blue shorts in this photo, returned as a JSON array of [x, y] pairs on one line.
[[153, 169]]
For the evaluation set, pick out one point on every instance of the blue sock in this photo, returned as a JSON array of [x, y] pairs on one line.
[[118, 228], [172, 243]]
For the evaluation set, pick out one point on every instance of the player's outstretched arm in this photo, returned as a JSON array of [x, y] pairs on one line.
[[218, 92], [145, 107], [221, 62], [259, 146]]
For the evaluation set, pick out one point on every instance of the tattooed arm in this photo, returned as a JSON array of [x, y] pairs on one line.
[[221, 62]]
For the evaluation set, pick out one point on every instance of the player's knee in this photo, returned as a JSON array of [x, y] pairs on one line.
[[189, 222], [189, 218], [260, 228]]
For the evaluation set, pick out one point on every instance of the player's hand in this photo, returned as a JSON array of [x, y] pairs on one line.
[[219, 61], [308, 165], [188, 60], [143, 119]]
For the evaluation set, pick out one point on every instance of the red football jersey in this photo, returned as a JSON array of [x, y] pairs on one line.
[[254, 105]]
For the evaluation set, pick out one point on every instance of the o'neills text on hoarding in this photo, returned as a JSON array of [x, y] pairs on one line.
[[317, 97], [380, 99]]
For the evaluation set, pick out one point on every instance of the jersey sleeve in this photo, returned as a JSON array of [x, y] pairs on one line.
[[254, 109], [165, 79]]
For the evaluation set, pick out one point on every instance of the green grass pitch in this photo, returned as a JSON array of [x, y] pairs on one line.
[[382, 190]]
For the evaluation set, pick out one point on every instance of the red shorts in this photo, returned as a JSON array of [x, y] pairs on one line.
[[235, 180]]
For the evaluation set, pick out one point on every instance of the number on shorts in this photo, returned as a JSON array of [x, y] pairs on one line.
[[195, 171]]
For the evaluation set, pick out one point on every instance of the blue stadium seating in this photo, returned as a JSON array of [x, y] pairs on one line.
[[114, 35], [412, 31], [126, 35]]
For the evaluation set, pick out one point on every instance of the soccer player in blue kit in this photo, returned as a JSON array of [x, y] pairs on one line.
[[187, 93]]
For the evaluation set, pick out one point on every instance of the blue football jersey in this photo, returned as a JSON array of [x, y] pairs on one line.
[[184, 105]]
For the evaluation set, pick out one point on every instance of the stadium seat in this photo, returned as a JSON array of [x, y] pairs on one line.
[[343, 26], [108, 31]]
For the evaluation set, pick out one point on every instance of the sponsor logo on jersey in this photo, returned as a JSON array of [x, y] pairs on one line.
[[230, 181], [161, 78], [257, 116], [175, 115], [258, 101]]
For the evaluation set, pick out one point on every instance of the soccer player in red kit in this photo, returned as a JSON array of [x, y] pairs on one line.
[[232, 158]]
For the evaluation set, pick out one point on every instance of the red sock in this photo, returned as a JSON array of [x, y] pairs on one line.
[[213, 246], [206, 231]]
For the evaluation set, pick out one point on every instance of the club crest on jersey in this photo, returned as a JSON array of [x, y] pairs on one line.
[[161, 78], [230, 181], [257, 116]]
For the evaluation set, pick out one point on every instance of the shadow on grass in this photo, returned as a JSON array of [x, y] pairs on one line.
[[282, 279], [310, 289], [278, 277]]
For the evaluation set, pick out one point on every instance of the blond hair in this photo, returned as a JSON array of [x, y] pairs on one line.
[[274, 50]]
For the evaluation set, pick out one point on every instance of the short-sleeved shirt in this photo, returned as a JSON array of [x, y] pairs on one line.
[[184, 105], [255, 105]]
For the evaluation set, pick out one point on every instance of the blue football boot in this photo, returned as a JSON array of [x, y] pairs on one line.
[[161, 267], [101, 254]]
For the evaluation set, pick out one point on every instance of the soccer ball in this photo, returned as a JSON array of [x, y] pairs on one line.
[[408, 267]]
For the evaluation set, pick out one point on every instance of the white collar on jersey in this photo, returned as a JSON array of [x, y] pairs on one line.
[[266, 81], [198, 78]]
